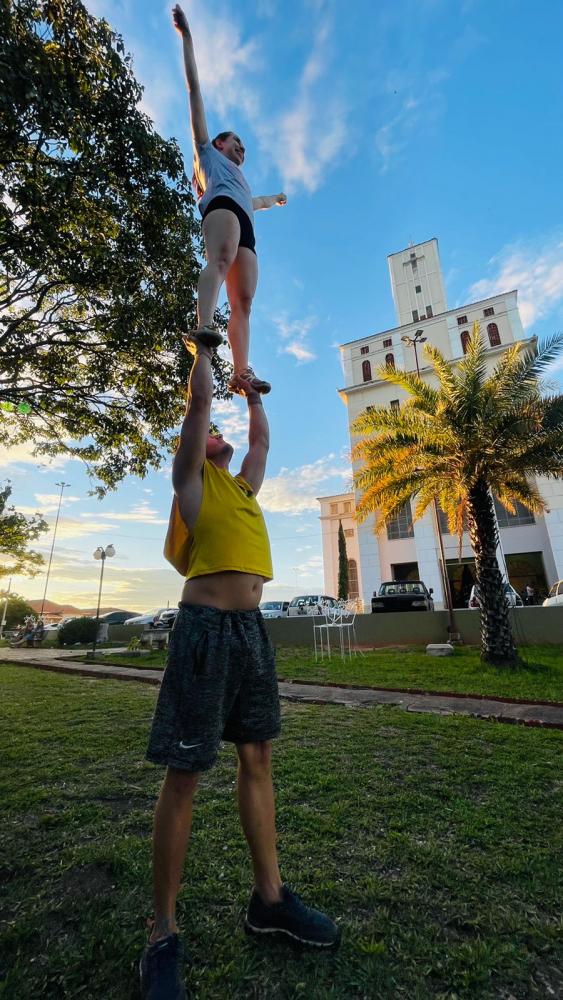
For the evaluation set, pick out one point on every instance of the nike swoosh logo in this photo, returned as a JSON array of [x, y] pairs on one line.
[[189, 746]]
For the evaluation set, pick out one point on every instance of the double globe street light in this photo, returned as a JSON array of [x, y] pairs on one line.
[[101, 554], [414, 342]]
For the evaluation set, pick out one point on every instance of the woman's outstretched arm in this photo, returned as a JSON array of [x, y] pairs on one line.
[[197, 111], [268, 200]]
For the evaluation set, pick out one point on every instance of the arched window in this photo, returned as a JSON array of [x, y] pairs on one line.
[[352, 578], [390, 360], [465, 338], [494, 335], [366, 371]]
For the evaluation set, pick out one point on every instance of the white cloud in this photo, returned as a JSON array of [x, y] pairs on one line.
[[414, 94], [50, 501], [231, 420], [69, 527], [306, 139], [392, 138], [75, 578], [295, 491], [311, 567], [535, 270], [293, 335], [224, 61], [141, 512], [22, 454]]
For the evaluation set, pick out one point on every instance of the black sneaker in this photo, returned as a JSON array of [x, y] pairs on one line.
[[160, 970], [291, 917]]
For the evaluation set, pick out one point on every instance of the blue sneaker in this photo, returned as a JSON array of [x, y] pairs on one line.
[[291, 917], [160, 970]]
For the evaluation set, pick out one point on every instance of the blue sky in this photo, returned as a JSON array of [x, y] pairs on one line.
[[419, 119]]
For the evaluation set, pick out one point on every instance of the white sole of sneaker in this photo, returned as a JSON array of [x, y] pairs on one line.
[[251, 929]]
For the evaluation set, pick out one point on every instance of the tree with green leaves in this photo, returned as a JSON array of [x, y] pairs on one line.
[[343, 582], [98, 249], [472, 437], [16, 533], [17, 610]]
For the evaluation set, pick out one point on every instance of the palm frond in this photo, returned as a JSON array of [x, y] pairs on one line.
[[522, 491], [443, 371], [421, 394]]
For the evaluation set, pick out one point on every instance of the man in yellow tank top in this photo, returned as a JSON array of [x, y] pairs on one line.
[[220, 680]]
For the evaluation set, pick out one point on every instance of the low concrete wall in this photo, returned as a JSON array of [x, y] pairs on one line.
[[532, 626], [123, 633]]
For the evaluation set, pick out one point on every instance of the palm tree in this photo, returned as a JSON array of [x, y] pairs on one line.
[[471, 438]]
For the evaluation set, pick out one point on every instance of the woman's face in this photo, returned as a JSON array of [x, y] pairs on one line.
[[232, 148]]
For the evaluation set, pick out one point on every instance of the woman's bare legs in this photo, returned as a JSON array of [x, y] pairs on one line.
[[221, 232], [241, 280]]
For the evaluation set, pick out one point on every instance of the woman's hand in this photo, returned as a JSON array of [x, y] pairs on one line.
[[180, 20], [281, 199]]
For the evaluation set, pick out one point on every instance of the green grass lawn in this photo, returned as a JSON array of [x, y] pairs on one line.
[[540, 680], [432, 840]]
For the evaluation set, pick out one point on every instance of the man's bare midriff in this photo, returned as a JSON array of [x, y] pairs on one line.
[[227, 591]]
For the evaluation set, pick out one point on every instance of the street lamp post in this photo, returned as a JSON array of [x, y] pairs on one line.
[[62, 486], [5, 608], [101, 554], [414, 341]]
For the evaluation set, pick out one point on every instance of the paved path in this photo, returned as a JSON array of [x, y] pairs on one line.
[[545, 715]]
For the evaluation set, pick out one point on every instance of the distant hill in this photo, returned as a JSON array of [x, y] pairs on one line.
[[51, 608]]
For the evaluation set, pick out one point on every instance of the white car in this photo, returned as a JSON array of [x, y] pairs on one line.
[[146, 619], [555, 595], [274, 609], [513, 598], [310, 604]]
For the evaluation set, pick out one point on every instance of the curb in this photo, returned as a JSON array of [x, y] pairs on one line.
[[154, 678], [424, 691]]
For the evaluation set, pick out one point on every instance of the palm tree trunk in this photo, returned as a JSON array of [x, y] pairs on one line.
[[497, 642]]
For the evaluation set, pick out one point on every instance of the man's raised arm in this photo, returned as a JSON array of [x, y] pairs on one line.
[[190, 454], [254, 465]]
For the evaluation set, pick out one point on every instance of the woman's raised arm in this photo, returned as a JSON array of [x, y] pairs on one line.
[[197, 111]]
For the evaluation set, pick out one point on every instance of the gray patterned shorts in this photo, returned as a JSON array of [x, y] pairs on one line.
[[220, 683]]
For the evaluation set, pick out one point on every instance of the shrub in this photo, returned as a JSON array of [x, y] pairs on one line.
[[77, 630]]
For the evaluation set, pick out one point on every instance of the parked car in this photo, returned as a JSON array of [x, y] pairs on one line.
[[402, 595], [555, 595], [309, 604], [115, 617], [147, 619], [274, 609], [512, 596], [166, 618]]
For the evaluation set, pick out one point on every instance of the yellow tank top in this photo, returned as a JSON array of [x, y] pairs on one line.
[[229, 533]]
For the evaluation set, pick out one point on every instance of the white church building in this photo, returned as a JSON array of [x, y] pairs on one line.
[[531, 545]]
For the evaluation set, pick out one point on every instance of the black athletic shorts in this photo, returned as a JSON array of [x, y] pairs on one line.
[[247, 238], [220, 683]]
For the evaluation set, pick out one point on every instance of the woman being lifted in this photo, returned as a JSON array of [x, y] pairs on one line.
[[227, 207]]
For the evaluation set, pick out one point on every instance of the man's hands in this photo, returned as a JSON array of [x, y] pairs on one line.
[[180, 20], [244, 388]]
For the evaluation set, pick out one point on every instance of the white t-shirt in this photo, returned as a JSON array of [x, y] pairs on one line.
[[217, 175]]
